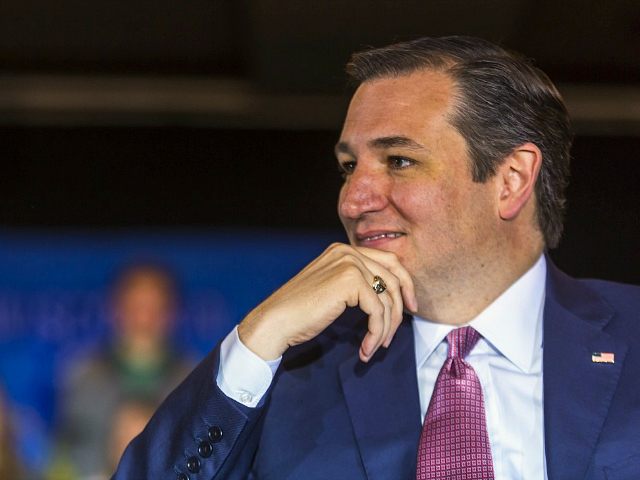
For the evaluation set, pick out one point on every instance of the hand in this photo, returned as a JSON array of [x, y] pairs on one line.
[[340, 277]]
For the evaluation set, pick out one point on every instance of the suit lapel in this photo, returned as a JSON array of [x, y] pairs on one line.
[[383, 403], [577, 392]]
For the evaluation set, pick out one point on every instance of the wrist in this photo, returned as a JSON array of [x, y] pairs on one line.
[[258, 333]]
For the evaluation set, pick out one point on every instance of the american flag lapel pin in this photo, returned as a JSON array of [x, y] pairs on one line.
[[603, 357]]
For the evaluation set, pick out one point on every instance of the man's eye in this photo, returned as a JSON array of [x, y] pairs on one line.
[[346, 168], [400, 162]]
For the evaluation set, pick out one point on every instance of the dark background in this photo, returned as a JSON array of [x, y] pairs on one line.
[[209, 114]]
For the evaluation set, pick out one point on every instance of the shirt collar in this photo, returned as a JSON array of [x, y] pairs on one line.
[[508, 324]]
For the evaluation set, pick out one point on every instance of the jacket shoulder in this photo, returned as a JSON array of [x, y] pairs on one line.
[[619, 295], [620, 291], [624, 299]]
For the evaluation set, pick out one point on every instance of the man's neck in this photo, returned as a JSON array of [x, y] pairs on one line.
[[459, 300]]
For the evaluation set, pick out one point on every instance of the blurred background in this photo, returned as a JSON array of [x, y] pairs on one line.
[[165, 166]]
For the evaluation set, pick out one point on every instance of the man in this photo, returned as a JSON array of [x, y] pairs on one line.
[[455, 155]]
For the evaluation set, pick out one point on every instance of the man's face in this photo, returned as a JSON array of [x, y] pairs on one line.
[[145, 308], [408, 186]]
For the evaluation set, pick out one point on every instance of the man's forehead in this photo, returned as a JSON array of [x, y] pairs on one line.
[[390, 112], [401, 97]]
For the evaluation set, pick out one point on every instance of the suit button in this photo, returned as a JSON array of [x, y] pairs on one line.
[[205, 449], [215, 434], [182, 476], [193, 464]]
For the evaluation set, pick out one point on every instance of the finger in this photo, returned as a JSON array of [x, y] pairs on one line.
[[395, 321], [387, 301], [393, 292], [382, 324], [396, 306], [374, 307], [376, 339], [390, 262], [391, 297]]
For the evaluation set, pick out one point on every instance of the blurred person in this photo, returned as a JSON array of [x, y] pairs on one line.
[[139, 364], [470, 355]]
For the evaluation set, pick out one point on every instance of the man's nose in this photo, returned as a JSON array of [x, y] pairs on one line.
[[364, 191]]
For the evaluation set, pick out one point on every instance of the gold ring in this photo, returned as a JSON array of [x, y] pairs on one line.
[[378, 285]]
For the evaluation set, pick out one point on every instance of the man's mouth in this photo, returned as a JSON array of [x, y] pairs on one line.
[[374, 236]]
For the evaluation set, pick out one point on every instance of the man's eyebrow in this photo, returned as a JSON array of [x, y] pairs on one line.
[[395, 141], [342, 147], [382, 143]]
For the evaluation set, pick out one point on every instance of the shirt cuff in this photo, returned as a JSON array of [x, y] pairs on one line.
[[243, 376]]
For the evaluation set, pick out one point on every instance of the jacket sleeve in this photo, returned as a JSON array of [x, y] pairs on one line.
[[197, 433]]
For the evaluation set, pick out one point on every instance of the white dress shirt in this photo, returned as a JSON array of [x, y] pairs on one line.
[[507, 360]]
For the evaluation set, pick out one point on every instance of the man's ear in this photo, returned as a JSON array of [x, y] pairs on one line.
[[517, 176]]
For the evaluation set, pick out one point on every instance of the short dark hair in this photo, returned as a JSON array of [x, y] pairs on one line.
[[503, 101]]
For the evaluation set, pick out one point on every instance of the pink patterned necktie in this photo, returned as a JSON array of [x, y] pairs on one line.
[[454, 444]]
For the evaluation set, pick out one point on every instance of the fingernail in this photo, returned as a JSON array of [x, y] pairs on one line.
[[363, 356]]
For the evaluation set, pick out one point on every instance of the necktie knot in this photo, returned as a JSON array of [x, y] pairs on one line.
[[461, 342]]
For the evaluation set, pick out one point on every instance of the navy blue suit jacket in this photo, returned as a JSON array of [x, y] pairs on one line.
[[329, 416]]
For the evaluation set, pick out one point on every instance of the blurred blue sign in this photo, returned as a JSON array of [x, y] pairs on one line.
[[54, 288]]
